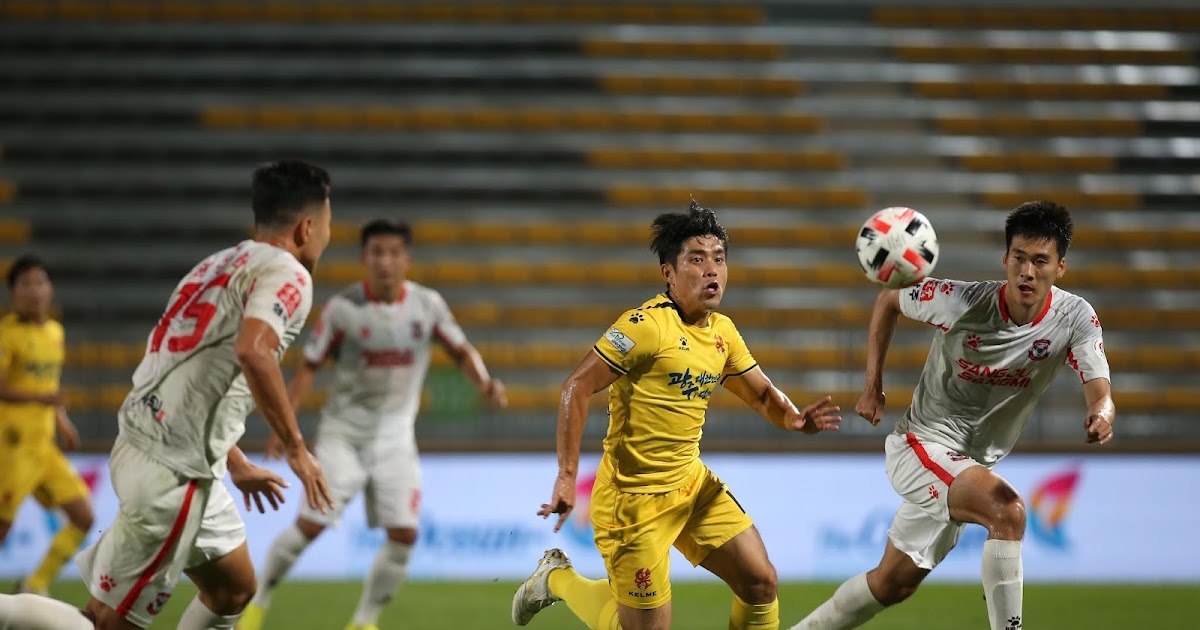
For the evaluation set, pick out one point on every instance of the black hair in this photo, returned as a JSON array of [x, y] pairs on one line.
[[23, 264], [670, 230], [284, 190], [386, 226], [1040, 220]]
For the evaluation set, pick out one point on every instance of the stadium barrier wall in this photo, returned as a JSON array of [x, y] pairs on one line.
[[1113, 518]]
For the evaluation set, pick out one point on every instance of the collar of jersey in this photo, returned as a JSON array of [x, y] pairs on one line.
[[1036, 320]]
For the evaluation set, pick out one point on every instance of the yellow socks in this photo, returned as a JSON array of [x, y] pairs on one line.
[[591, 600], [754, 616], [64, 545]]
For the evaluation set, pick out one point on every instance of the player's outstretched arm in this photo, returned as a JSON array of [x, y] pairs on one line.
[[1100, 409], [880, 331], [298, 389], [591, 376], [471, 363], [757, 391], [67, 432], [256, 346], [8, 394]]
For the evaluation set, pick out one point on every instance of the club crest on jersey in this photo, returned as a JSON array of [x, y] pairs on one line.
[[1040, 349], [720, 344], [972, 342], [928, 290], [641, 579]]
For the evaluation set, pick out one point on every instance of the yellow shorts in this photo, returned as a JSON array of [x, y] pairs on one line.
[[635, 532], [45, 473]]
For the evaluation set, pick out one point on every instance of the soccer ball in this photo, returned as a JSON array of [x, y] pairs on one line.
[[897, 247]]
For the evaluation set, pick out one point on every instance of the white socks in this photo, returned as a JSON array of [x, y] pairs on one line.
[[34, 612], [387, 572], [197, 616], [286, 549], [1003, 580], [851, 606]]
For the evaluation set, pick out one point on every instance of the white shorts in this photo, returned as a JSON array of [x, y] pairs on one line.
[[166, 524], [921, 472], [389, 473]]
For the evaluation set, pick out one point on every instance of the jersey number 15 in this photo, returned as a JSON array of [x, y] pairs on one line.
[[188, 306]]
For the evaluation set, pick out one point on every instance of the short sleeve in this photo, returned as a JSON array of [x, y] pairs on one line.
[[940, 302], [7, 352], [280, 294], [445, 328], [738, 359], [328, 333], [1086, 355], [632, 339]]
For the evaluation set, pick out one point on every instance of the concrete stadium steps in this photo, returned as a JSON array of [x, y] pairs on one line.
[[781, 40], [782, 268], [433, 12], [634, 188], [267, 72], [563, 357], [33, 146], [104, 312], [349, 110], [521, 134], [108, 398]]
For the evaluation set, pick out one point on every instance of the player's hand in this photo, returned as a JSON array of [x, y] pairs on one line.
[[316, 490], [256, 483], [870, 406], [562, 501], [67, 432], [1099, 429], [275, 448], [819, 416], [495, 394]]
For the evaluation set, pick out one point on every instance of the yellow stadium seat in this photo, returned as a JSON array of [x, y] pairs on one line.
[[382, 117], [14, 231], [451, 272], [508, 272], [8, 191]]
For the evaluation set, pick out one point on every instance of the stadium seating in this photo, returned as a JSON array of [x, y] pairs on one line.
[[531, 143]]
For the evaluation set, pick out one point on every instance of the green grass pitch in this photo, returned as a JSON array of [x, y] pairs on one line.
[[698, 606]]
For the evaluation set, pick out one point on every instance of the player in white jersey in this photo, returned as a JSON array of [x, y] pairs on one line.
[[379, 335], [997, 347], [213, 355]]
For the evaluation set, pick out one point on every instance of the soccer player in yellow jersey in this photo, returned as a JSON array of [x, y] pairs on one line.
[[660, 363], [31, 408]]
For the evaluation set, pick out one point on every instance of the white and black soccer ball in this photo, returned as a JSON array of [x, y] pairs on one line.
[[897, 247]]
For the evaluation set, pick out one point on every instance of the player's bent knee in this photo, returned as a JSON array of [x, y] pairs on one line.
[[1008, 520], [232, 595], [890, 589], [760, 588], [402, 535], [890, 592], [230, 599]]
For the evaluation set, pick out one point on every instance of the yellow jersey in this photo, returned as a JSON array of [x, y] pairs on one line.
[[31, 360], [656, 407]]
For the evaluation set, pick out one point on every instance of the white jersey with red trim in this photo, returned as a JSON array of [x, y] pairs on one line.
[[984, 374], [189, 401], [381, 355]]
